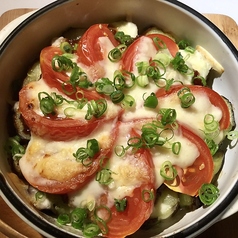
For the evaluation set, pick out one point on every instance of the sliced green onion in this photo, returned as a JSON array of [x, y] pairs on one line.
[[142, 80], [104, 176], [135, 142], [128, 102], [85, 155], [14, 148], [179, 64], [168, 171], [123, 38], [119, 80], [78, 217], [47, 104], [117, 96], [148, 195], [176, 147], [92, 147], [151, 101], [66, 47], [61, 63], [208, 194], [40, 195], [105, 86], [91, 230], [232, 135], [210, 123], [63, 219], [96, 108], [115, 55], [168, 115], [142, 67], [183, 44], [213, 147], [159, 43], [187, 99], [163, 58], [120, 150], [190, 49], [120, 204]]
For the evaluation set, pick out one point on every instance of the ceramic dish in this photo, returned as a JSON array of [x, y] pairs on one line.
[[22, 46]]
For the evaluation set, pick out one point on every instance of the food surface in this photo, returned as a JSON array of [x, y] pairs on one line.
[[115, 129]]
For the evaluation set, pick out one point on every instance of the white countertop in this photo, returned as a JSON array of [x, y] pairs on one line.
[[228, 7]]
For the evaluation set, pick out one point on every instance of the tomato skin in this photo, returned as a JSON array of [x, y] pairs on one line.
[[213, 96], [190, 180], [171, 45], [58, 129], [89, 50], [56, 79], [82, 178], [137, 210]]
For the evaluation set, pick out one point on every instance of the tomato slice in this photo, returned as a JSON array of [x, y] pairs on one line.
[[190, 180], [89, 49], [215, 99], [56, 128], [141, 48], [56, 79], [51, 167], [171, 45], [139, 203]]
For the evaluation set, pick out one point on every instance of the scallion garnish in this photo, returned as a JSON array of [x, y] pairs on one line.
[[179, 64], [14, 148], [151, 101], [96, 108], [148, 195], [40, 196], [78, 217], [85, 155], [91, 230], [183, 44], [168, 171], [63, 219], [212, 146], [186, 97], [210, 123], [66, 47], [128, 102], [123, 38], [176, 147], [120, 204], [208, 194], [117, 96], [168, 115], [116, 53], [104, 176], [159, 43], [232, 135]]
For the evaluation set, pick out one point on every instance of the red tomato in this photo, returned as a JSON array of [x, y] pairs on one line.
[[137, 210], [89, 49], [213, 96], [55, 128], [190, 180], [75, 179], [56, 79], [171, 45], [133, 52]]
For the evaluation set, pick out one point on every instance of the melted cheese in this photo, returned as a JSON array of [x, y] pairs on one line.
[[34, 88], [48, 161]]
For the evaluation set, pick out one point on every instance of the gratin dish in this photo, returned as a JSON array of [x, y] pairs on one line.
[[170, 16]]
